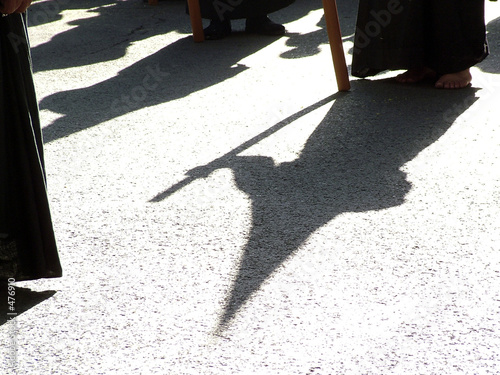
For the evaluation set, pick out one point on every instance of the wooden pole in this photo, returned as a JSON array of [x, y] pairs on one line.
[[153, 2], [335, 38], [196, 22]]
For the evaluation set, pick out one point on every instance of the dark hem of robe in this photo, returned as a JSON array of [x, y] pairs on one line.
[[447, 36], [31, 253]]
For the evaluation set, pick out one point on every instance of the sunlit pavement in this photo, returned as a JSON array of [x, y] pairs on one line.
[[221, 209]]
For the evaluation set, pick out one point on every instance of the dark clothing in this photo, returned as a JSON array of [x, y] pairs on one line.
[[237, 9], [31, 251], [447, 36]]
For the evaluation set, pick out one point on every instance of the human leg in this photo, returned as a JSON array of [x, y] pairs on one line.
[[264, 26], [428, 38], [221, 12], [456, 40], [217, 29]]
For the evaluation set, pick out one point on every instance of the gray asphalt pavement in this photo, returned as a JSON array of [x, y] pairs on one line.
[[221, 209]]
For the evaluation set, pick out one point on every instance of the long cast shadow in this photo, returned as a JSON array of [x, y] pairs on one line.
[[104, 34], [351, 163], [173, 72], [114, 26]]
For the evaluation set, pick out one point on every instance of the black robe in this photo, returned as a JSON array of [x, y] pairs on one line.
[[238, 9], [447, 36], [31, 251]]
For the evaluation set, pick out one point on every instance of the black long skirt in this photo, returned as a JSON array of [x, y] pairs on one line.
[[238, 9], [30, 251], [447, 36]]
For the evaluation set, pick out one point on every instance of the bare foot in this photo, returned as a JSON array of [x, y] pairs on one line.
[[415, 75], [454, 80]]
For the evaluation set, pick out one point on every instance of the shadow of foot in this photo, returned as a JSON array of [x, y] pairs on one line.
[[17, 300]]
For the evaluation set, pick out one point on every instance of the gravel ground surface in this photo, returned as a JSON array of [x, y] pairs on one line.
[[221, 209]]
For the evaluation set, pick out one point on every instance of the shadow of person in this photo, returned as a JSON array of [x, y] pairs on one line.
[[104, 33], [22, 300], [173, 72], [45, 12], [351, 163]]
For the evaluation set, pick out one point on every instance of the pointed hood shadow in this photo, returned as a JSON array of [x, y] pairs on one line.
[[24, 299], [351, 163]]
